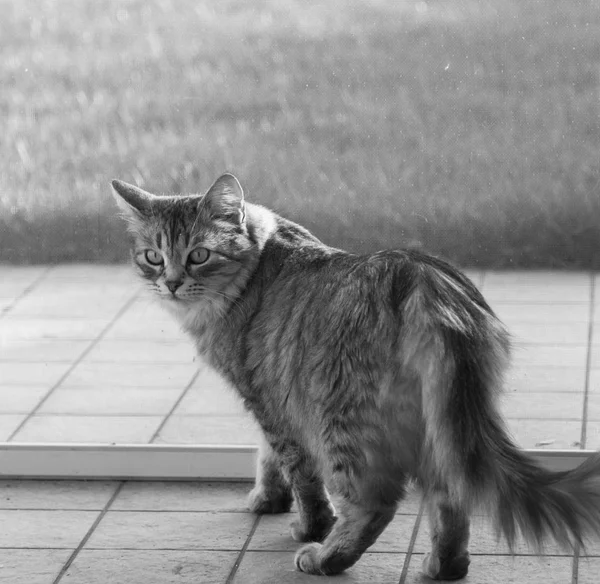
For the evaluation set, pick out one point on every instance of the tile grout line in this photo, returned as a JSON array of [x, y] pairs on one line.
[[89, 533], [168, 415], [586, 391], [26, 291], [575, 566], [411, 545], [588, 363], [77, 361], [242, 553]]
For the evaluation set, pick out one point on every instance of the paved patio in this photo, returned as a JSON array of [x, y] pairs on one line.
[[85, 356], [167, 533]]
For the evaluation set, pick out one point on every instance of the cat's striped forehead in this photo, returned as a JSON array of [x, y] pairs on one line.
[[176, 222], [179, 223]]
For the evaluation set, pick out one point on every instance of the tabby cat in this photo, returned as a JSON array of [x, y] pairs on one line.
[[362, 371]]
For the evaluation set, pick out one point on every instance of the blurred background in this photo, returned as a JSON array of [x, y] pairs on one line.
[[470, 128]]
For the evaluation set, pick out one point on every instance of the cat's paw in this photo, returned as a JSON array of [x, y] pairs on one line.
[[307, 559], [450, 569], [318, 529], [260, 501]]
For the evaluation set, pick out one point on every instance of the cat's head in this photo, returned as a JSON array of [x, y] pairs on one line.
[[190, 249]]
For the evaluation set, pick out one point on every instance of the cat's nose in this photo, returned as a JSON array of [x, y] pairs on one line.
[[173, 285]]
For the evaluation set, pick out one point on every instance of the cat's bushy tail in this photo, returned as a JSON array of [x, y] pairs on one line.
[[460, 350]]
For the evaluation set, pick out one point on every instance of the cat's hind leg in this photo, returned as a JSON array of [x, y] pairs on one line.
[[369, 498], [272, 492], [356, 529], [449, 529]]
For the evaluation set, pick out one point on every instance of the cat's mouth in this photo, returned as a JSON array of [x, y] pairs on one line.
[[174, 298]]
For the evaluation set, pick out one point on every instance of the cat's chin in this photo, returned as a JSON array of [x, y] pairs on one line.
[[176, 301]]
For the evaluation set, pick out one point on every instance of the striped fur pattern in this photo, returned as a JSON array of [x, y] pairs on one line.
[[364, 372]]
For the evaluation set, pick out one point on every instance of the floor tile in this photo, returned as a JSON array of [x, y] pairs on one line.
[[22, 566], [595, 356], [43, 350], [92, 495], [596, 330], [594, 380], [20, 399], [542, 405], [546, 379], [539, 278], [593, 435], [141, 351], [593, 406], [278, 568], [210, 381], [6, 303], [560, 333], [131, 327], [483, 541], [527, 356], [101, 429], [123, 374], [549, 356], [8, 424], [150, 567], [171, 530], [273, 534], [14, 289], [505, 570], [46, 374], [48, 301], [85, 272], [51, 328], [589, 568], [511, 313], [559, 293], [209, 430], [396, 537], [43, 528], [119, 401], [549, 434], [183, 496], [210, 401]]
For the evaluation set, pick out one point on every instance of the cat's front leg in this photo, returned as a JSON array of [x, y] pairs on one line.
[[356, 529], [272, 492], [316, 515]]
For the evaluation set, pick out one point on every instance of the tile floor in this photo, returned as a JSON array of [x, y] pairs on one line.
[[86, 357], [167, 533]]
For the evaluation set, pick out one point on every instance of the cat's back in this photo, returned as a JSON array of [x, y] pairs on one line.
[[305, 272]]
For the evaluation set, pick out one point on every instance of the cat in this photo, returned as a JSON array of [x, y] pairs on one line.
[[363, 372]]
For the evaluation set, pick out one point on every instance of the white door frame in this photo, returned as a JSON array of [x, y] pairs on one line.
[[168, 462]]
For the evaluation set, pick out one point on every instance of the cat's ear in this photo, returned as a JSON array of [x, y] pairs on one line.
[[133, 201], [225, 199]]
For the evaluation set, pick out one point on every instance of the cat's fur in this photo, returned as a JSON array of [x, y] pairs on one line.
[[363, 372]]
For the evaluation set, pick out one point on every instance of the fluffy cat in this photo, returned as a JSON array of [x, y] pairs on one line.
[[362, 371]]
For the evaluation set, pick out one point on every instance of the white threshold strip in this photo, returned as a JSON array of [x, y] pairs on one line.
[[169, 462]]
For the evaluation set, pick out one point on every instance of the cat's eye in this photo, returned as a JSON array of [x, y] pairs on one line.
[[199, 255], [153, 257]]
